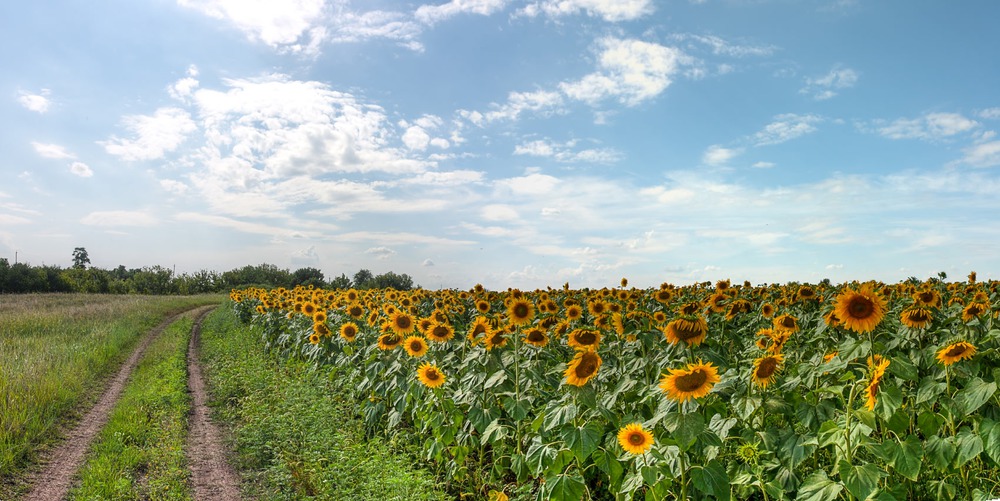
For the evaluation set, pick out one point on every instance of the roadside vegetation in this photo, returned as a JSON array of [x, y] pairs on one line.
[[140, 452], [296, 430], [55, 350]]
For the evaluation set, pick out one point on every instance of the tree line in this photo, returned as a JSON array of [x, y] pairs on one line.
[[81, 277]]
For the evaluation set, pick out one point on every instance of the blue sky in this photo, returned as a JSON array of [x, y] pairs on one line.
[[509, 143]]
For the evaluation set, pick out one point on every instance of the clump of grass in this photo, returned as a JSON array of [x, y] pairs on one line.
[[296, 431], [54, 351], [140, 452]]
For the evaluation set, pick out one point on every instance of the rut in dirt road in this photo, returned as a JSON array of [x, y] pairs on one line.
[[211, 476], [56, 476]]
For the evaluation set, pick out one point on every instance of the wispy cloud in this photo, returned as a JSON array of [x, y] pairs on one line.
[[718, 155], [827, 86], [292, 25], [119, 218], [567, 152], [986, 154], [49, 150], [81, 169], [785, 128], [38, 103], [629, 70], [722, 47], [431, 14], [608, 10], [932, 126]]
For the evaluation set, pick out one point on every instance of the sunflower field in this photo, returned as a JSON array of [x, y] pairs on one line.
[[708, 391]]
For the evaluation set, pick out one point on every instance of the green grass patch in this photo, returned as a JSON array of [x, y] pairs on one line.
[[55, 350], [140, 452], [296, 431]]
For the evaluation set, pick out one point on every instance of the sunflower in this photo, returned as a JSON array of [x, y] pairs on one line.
[[806, 293], [582, 368], [536, 336], [520, 311], [496, 338], [767, 310], [349, 331], [634, 439], [829, 356], [401, 323], [692, 332], [765, 369], [694, 381], [715, 302], [584, 339], [860, 310], [309, 309], [915, 317], [480, 327], [573, 312], [483, 306], [314, 338], [831, 318], [322, 329], [389, 341], [319, 317], [355, 310], [415, 346], [430, 375], [928, 297], [597, 308], [955, 352], [786, 322], [659, 317], [663, 296], [878, 365], [973, 311], [439, 332]]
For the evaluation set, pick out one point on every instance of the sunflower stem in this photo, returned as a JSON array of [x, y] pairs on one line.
[[847, 425]]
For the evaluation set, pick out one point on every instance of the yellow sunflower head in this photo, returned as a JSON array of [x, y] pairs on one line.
[[692, 331], [634, 439], [765, 369], [520, 312], [536, 336], [479, 329], [956, 352], [694, 381], [786, 322], [916, 317], [584, 339], [860, 310], [583, 367], [415, 346], [389, 341], [349, 331], [439, 332], [402, 323], [430, 375], [974, 310], [574, 312]]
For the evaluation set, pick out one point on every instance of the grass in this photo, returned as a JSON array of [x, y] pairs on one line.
[[55, 350], [140, 452], [296, 432]]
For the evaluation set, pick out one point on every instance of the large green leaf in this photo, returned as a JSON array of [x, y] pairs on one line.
[[929, 389], [819, 487], [861, 481], [540, 457], [940, 451], [559, 415], [902, 366], [990, 431], [968, 445], [974, 395], [711, 479], [907, 457], [582, 440], [609, 464], [689, 426], [565, 487]]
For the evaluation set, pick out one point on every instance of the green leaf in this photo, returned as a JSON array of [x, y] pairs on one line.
[[632, 483], [990, 431], [609, 464], [902, 367], [968, 445], [540, 457], [830, 433], [721, 426], [559, 415], [860, 481], [495, 432], [819, 487], [711, 479], [908, 456], [940, 451], [689, 426], [796, 448], [929, 389], [974, 395], [495, 379], [929, 423], [888, 400], [899, 422], [583, 440]]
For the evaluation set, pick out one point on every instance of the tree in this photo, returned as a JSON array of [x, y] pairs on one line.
[[308, 276], [80, 258], [341, 282], [362, 279]]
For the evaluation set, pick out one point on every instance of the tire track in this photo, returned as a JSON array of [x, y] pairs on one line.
[[211, 476], [53, 482]]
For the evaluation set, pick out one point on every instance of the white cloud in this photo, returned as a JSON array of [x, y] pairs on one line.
[[785, 128], [416, 138], [80, 169], [427, 262], [932, 126], [380, 252], [499, 212], [38, 103], [6, 219], [564, 152], [722, 47], [763, 165], [717, 155], [531, 184], [609, 10], [183, 88], [54, 151], [822, 88], [278, 232], [155, 135], [990, 113], [293, 25], [305, 257], [630, 70], [172, 186], [118, 218], [983, 154], [430, 14], [346, 26], [518, 103]]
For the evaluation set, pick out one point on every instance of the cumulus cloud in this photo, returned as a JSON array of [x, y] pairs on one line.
[[932, 126], [53, 151], [630, 70], [154, 136], [289, 24], [985, 154], [118, 218], [608, 10], [80, 169], [380, 252], [39, 103], [173, 186], [430, 14], [785, 128], [717, 155], [416, 138]]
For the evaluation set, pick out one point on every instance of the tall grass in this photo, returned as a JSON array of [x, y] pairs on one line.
[[54, 351]]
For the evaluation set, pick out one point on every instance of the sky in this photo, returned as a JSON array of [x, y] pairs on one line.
[[511, 143]]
